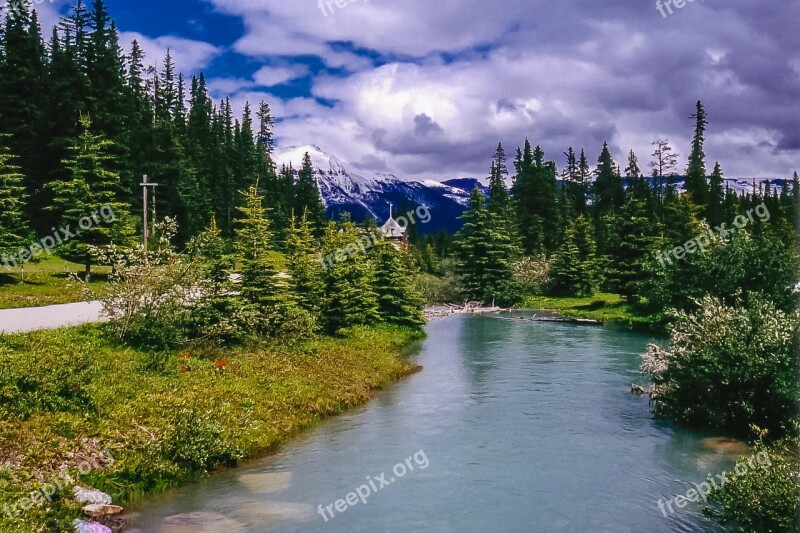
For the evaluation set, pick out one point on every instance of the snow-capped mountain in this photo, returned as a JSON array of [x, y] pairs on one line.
[[345, 188]]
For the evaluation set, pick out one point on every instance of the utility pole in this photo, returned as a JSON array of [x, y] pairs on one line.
[[145, 184]]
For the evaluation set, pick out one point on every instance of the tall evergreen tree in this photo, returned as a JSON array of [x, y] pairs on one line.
[[93, 188], [262, 285], [307, 198], [609, 192], [714, 211], [14, 230], [398, 301], [696, 184]]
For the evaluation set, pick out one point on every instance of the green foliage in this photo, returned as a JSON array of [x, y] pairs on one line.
[[92, 188], [398, 301], [484, 255], [728, 367], [763, 499], [573, 271], [731, 268], [36, 380], [349, 296], [147, 292], [14, 230]]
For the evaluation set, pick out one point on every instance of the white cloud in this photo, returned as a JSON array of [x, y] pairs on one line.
[[268, 76], [190, 56]]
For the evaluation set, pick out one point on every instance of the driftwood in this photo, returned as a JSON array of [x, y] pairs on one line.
[[472, 308]]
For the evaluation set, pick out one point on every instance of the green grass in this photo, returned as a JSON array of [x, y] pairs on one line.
[[604, 307], [65, 395], [46, 283]]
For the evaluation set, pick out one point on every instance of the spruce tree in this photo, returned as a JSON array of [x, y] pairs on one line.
[[696, 184], [263, 286], [304, 265], [398, 301], [349, 298], [14, 230], [716, 197], [92, 188], [307, 198], [484, 256], [609, 193]]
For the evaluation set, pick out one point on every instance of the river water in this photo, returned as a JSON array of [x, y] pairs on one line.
[[512, 426]]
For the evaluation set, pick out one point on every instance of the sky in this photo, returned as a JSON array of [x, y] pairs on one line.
[[427, 88]]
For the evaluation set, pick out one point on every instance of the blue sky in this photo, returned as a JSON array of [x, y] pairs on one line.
[[427, 89]]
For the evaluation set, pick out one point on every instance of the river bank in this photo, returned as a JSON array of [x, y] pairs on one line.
[[609, 309], [70, 395]]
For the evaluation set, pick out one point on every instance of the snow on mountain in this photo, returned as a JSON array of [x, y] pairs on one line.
[[346, 188]]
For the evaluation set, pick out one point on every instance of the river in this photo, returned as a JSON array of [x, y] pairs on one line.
[[512, 426]]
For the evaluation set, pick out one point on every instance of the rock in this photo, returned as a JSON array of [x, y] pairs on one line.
[[89, 495], [198, 521], [726, 445], [97, 510], [266, 483], [84, 526]]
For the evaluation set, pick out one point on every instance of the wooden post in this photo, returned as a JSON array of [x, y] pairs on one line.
[[145, 207]]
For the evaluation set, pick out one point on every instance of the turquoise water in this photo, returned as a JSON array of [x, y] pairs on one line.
[[516, 426]]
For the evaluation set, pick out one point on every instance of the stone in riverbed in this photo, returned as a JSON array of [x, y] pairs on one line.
[[727, 445], [199, 522], [84, 526], [90, 496], [96, 510], [266, 483]]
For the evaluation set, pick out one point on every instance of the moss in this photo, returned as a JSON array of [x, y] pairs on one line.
[[207, 408]]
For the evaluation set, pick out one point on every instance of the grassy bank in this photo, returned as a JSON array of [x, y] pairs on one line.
[[166, 418], [604, 307], [46, 283]]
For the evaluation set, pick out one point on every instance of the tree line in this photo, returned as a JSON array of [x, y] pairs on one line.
[[605, 228]]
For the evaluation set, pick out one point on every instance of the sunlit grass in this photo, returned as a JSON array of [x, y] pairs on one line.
[[69, 393], [46, 283], [604, 307]]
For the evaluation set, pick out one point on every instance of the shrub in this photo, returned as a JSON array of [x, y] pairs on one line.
[[762, 500], [728, 367]]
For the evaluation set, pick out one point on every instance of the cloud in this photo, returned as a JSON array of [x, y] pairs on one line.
[[190, 56], [270, 76], [427, 88]]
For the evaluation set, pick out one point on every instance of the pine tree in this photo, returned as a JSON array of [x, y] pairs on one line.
[[23, 91], [262, 285], [307, 198], [609, 192], [696, 184], [304, 266], [14, 230], [349, 298], [484, 255], [716, 198], [93, 188], [398, 301]]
